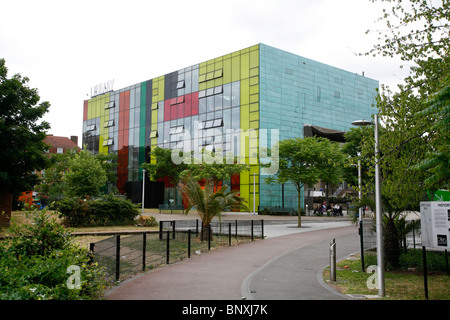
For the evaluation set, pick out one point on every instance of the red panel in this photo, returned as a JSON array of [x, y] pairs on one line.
[[85, 110], [181, 109], [188, 105], [194, 99], [167, 110], [124, 119]]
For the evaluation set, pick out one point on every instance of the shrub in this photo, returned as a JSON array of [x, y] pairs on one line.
[[107, 210], [147, 221], [34, 264]]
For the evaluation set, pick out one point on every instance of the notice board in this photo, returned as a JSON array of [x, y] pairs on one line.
[[435, 224]]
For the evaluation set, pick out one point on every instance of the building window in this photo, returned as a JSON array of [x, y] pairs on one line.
[[109, 105], [109, 123], [180, 84], [211, 75], [337, 94], [154, 134], [91, 127], [108, 142], [59, 150]]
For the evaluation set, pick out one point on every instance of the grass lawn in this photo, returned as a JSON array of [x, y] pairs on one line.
[[399, 285]]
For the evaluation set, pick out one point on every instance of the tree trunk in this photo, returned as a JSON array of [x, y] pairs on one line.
[[5, 206], [391, 245], [298, 208], [206, 233]]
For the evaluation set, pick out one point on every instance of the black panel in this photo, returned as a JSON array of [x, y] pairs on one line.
[[154, 192], [170, 85]]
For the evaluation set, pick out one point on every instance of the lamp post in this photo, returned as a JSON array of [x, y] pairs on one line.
[[378, 215], [143, 189]]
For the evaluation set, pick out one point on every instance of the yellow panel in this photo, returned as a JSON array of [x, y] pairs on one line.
[[246, 50], [154, 117], [244, 179], [254, 107], [245, 66], [227, 71], [254, 98], [254, 72], [245, 91], [254, 59], [236, 68], [254, 89], [202, 68], [255, 47], [254, 116], [245, 117], [254, 124], [254, 81]]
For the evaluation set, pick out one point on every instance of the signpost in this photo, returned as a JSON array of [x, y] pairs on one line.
[[435, 229], [435, 224]]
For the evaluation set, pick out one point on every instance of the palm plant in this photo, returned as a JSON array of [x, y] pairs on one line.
[[208, 203]]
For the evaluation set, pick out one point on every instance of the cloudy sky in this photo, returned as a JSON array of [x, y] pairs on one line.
[[65, 48]]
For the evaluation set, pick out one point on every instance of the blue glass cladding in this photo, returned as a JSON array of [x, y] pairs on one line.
[[295, 91]]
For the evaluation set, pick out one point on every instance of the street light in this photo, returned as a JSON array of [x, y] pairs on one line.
[[379, 216]]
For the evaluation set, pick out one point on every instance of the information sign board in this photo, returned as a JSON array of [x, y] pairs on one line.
[[435, 224]]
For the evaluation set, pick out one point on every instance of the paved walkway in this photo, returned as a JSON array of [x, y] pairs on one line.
[[287, 265]]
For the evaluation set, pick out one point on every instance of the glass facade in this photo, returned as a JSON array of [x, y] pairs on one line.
[[206, 106]]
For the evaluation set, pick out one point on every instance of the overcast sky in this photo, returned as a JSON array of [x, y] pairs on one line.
[[65, 48]]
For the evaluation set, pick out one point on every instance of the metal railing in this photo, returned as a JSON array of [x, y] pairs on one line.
[[124, 255]]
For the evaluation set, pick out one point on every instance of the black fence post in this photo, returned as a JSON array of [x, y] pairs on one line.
[[168, 247], [424, 262], [236, 229], [196, 227], [91, 252], [446, 261], [361, 243], [229, 234], [173, 229], [161, 230], [189, 243], [209, 236], [252, 228], [144, 249], [262, 228], [117, 257]]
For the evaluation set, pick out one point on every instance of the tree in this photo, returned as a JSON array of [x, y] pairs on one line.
[[85, 176], [163, 166], [413, 149], [208, 203], [303, 162], [332, 165], [21, 138], [221, 171], [51, 185], [54, 186]]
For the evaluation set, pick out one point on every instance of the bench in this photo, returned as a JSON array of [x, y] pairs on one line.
[[170, 207], [278, 210]]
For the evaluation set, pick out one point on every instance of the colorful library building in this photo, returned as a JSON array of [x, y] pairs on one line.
[[271, 93]]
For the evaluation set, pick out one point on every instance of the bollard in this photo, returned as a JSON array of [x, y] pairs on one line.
[[333, 260]]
